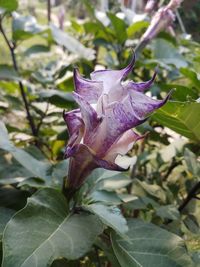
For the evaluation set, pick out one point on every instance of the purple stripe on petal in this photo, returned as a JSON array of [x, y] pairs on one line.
[[82, 162], [89, 115], [143, 105], [119, 117], [73, 120], [88, 89], [142, 86]]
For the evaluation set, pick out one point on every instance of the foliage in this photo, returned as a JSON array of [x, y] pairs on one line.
[[147, 216]]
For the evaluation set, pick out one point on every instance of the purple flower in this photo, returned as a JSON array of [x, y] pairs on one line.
[[102, 128], [162, 19]]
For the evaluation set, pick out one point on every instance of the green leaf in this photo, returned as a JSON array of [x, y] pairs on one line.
[[142, 188], [9, 5], [181, 93], [167, 53], [6, 214], [119, 27], [46, 232], [8, 73], [149, 246], [182, 117], [168, 212], [36, 167], [36, 49], [110, 216], [136, 27], [192, 163], [192, 75], [109, 198], [71, 44], [56, 97], [25, 27]]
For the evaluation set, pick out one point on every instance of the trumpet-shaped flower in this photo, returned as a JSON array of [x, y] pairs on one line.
[[101, 128]]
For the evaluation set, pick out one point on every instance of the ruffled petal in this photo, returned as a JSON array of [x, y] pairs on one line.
[[75, 126], [88, 89], [123, 145], [111, 78], [89, 115], [120, 117], [82, 162], [143, 105], [140, 87], [73, 120]]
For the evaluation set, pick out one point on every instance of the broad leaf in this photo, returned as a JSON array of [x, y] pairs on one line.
[[119, 27], [136, 27], [36, 167], [110, 216], [193, 76], [5, 215], [47, 231], [182, 117], [149, 246], [8, 73], [71, 44], [192, 163], [168, 212], [56, 97], [167, 53], [25, 26]]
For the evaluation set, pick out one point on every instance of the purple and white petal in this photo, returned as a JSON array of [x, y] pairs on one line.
[[140, 87], [143, 105], [111, 78], [123, 145], [88, 89], [82, 162], [73, 120], [89, 116]]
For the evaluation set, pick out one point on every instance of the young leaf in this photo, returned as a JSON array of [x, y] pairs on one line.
[[149, 245], [119, 27], [47, 231]]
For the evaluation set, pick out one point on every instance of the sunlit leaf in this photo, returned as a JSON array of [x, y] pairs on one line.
[[25, 26], [71, 44], [182, 117], [136, 27]]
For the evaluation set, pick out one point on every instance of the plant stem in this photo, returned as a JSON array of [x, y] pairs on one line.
[[11, 47], [191, 195], [49, 11], [97, 256]]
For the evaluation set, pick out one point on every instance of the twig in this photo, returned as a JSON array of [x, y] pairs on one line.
[[180, 21], [49, 11], [191, 195], [97, 256], [42, 118], [11, 47]]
